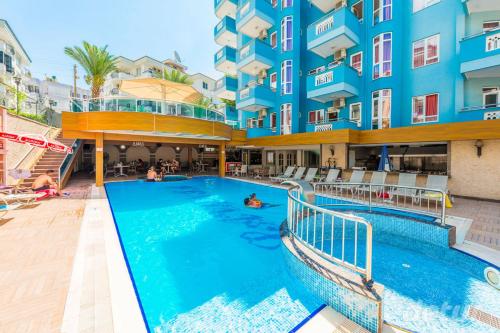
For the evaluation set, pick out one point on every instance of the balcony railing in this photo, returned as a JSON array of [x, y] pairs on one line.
[[254, 16], [481, 54], [337, 80], [163, 107]]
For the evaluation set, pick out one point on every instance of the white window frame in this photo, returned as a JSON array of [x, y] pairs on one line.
[[250, 122], [285, 109], [360, 71], [285, 37], [425, 121], [426, 3], [360, 111], [381, 12], [381, 102], [319, 116], [491, 93], [491, 21], [274, 3], [284, 81], [275, 85], [271, 116], [381, 56], [332, 111], [426, 47], [275, 34]]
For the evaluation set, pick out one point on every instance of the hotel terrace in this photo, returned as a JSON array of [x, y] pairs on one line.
[[369, 134]]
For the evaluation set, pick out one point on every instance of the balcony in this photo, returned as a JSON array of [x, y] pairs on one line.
[[254, 16], [334, 31], [225, 8], [328, 5], [336, 82], [225, 60], [256, 132], [477, 6], [226, 88], [332, 125], [255, 57], [255, 98], [225, 32], [480, 55]]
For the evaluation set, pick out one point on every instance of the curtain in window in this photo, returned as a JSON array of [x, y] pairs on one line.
[[432, 50], [387, 55], [431, 107], [312, 116], [418, 54], [387, 13]]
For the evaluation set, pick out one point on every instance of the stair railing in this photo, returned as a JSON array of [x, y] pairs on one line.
[[68, 160]]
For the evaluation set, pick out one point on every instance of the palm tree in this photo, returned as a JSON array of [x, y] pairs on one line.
[[175, 75], [204, 102], [97, 63]]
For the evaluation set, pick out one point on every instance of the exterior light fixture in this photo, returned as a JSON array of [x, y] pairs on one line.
[[479, 146], [177, 149], [122, 147]]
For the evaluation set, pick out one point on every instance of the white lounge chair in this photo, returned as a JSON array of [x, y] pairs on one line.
[[299, 173], [311, 173], [240, 171], [378, 178], [356, 178], [436, 183], [331, 176], [405, 180], [285, 176], [20, 198]]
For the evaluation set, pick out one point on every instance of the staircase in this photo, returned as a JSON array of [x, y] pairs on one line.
[[50, 160]]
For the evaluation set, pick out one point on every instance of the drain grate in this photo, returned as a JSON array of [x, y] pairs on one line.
[[484, 317]]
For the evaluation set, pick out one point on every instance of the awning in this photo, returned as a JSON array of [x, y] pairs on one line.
[[37, 140], [152, 88]]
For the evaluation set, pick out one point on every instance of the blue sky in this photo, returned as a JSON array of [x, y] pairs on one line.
[[129, 28]]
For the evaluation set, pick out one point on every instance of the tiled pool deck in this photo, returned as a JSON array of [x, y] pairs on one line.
[[37, 254]]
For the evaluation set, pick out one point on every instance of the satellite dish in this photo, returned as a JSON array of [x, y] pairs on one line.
[[177, 57]]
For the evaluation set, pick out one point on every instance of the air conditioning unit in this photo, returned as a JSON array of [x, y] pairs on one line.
[[341, 4], [263, 35], [339, 103], [340, 54], [492, 115], [262, 113]]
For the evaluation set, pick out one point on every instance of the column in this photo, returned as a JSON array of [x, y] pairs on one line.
[[99, 159], [222, 160], [190, 156]]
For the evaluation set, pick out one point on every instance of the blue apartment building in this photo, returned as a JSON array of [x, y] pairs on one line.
[[309, 66]]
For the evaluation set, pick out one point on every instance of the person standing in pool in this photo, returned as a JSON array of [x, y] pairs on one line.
[[152, 175]]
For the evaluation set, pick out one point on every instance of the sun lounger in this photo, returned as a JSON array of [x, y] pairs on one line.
[[378, 178], [286, 175], [331, 176], [299, 173], [311, 173], [356, 180], [21, 198], [405, 180], [435, 183]]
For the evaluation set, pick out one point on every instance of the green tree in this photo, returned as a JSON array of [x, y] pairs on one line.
[[204, 102], [175, 76], [97, 63]]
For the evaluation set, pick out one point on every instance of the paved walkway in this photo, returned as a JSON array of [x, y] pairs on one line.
[[37, 246]]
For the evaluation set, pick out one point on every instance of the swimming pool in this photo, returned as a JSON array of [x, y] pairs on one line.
[[200, 261]]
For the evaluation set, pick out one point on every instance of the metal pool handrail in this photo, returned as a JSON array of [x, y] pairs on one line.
[[300, 212], [373, 195]]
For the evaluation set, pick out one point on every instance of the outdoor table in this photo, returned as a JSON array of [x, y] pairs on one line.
[[203, 165], [121, 167]]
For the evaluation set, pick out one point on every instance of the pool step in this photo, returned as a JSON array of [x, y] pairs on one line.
[[330, 321]]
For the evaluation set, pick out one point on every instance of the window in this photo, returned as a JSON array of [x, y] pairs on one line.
[[274, 39], [355, 112], [286, 118], [382, 11], [492, 43], [316, 116], [286, 77], [382, 55], [205, 85], [357, 62], [260, 122], [8, 63], [273, 80], [286, 34], [381, 109], [425, 108], [332, 114], [316, 70], [286, 3], [357, 9], [426, 51], [491, 25], [491, 97], [1, 57], [272, 121], [250, 122], [421, 4]]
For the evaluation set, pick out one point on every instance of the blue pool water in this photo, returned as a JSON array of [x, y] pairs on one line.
[[202, 262]]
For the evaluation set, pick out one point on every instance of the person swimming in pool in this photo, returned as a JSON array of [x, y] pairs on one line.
[[152, 175], [252, 201]]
